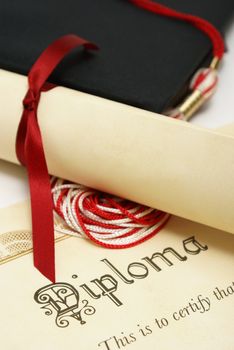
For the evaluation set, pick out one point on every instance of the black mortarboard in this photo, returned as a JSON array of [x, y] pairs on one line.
[[145, 60]]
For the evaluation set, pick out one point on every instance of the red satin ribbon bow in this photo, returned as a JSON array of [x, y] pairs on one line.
[[30, 152]]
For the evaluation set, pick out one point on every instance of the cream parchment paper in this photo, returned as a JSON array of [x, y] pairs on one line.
[[163, 163], [175, 291]]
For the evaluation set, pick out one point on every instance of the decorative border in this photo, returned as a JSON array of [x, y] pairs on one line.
[[16, 256]]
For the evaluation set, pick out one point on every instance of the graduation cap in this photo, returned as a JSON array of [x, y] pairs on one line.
[[146, 61]]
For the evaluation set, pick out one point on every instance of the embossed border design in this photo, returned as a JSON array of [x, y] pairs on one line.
[[16, 256]]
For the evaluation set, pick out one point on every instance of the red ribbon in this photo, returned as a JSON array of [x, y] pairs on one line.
[[198, 22], [30, 152]]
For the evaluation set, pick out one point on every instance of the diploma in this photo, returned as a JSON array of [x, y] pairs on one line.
[[157, 161], [174, 291]]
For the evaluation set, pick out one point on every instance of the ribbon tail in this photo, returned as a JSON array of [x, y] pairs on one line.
[[29, 149], [41, 201]]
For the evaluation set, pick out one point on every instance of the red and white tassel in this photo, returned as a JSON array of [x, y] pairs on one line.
[[108, 221]]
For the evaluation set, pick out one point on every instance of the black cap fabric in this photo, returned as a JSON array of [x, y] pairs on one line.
[[144, 60]]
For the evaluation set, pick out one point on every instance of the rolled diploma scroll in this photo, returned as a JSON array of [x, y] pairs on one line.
[[132, 153]]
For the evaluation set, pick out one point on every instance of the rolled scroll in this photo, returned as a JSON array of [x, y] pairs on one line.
[[142, 156]]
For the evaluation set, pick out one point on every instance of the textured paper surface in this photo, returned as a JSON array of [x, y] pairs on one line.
[[157, 161], [132, 299]]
